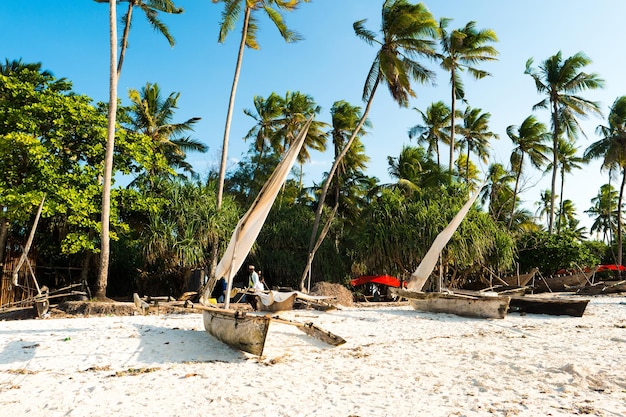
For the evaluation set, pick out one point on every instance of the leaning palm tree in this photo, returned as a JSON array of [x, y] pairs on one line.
[[529, 139], [435, 127], [612, 149], [408, 31], [462, 49], [476, 134], [230, 15], [560, 81], [152, 115]]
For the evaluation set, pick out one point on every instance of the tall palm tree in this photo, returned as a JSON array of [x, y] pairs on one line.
[[498, 191], [462, 49], [568, 160], [529, 139], [544, 205], [476, 134], [435, 127], [230, 16], [612, 149], [407, 31], [560, 81], [150, 8], [152, 116], [102, 279]]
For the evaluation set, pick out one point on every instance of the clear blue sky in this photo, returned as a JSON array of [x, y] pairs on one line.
[[70, 38]]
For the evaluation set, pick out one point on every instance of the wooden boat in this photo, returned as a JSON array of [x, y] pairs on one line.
[[470, 305], [246, 332], [556, 306], [564, 282], [274, 301], [603, 287], [462, 304], [511, 281]]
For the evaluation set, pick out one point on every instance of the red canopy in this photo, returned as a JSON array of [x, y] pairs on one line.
[[377, 279], [611, 268]]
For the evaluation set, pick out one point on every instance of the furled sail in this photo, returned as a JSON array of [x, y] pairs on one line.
[[425, 268], [251, 223]]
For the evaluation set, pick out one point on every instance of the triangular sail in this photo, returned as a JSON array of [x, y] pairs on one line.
[[251, 223], [425, 268]]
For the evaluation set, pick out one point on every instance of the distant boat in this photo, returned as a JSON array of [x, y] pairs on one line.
[[517, 280], [564, 282]]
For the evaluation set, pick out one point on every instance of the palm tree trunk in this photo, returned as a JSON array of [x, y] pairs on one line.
[[101, 281], [519, 174], [558, 221], [619, 219], [320, 205], [453, 118], [129, 16], [231, 104], [555, 162]]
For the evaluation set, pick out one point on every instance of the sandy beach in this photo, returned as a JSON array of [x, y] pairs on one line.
[[396, 362]]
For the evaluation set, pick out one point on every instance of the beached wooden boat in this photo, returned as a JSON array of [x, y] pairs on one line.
[[274, 301], [564, 282], [518, 280], [603, 287], [461, 304], [556, 306], [246, 332]]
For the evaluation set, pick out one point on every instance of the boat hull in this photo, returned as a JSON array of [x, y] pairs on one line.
[[275, 305], [479, 306], [555, 306], [237, 329]]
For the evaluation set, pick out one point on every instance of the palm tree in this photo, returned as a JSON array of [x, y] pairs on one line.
[[152, 116], [435, 127], [150, 8], [612, 148], [407, 33], [462, 49], [101, 281], [498, 191], [297, 109], [603, 210], [560, 80], [476, 134], [230, 15], [544, 205], [567, 162], [529, 138]]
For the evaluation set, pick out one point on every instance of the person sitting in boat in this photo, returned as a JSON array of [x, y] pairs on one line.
[[254, 285], [221, 292]]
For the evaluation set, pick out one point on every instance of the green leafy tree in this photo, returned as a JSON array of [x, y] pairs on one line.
[[461, 50], [561, 81], [604, 209], [407, 34]]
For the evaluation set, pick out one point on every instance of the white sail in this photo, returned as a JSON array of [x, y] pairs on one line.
[[251, 223], [425, 268]]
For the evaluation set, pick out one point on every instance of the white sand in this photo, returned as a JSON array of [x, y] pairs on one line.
[[396, 362]]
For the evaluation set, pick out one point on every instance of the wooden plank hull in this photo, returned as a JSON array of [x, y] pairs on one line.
[[603, 287], [555, 306], [475, 305], [560, 283], [276, 306], [237, 329]]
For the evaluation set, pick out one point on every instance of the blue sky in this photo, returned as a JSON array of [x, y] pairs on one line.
[[70, 38]]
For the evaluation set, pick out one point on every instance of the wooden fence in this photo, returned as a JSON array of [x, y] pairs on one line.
[[11, 295]]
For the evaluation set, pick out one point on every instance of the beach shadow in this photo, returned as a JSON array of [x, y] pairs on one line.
[[18, 351], [174, 345]]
